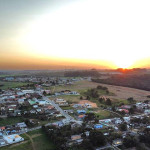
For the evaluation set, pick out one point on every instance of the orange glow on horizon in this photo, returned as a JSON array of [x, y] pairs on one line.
[[79, 34]]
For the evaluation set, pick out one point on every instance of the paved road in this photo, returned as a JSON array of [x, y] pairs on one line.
[[66, 115]]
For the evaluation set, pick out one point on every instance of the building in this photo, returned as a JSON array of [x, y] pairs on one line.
[[98, 126], [81, 111], [14, 138]]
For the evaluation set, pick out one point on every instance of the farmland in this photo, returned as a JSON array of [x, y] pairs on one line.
[[5, 85], [117, 93]]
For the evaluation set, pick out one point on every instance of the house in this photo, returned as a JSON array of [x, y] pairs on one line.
[[126, 106], [42, 102], [124, 110], [61, 102], [117, 142], [58, 124], [69, 111], [81, 111], [2, 128], [9, 78], [126, 119], [81, 117], [2, 141], [75, 125], [66, 121], [28, 91], [75, 137], [98, 126], [105, 121], [35, 106], [74, 93], [46, 91], [118, 121], [77, 105], [33, 111], [22, 125], [20, 101], [147, 111], [14, 138], [32, 102]]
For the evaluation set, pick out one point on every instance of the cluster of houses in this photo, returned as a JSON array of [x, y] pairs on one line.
[[10, 134], [46, 81], [66, 92], [13, 104]]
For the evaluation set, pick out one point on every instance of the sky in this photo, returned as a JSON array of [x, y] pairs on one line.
[[60, 34]]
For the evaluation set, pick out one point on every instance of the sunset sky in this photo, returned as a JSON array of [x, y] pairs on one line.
[[59, 34]]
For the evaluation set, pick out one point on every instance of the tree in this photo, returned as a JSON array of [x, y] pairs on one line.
[[129, 141], [131, 110], [87, 145], [88, 97], [123, 127], [108, 101], [107, 92], [130, 99], [44, 93], [97, 138], [89, 117], [81, 98], [101, 100]]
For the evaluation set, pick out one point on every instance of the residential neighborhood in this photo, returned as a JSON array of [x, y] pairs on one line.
[[37, 108]]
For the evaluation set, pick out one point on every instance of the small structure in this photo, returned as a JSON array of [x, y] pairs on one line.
[[81, 111], [117, 142], [98, 126], [14, 138]]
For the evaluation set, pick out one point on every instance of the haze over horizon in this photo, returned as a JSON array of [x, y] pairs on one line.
[[45, 34]]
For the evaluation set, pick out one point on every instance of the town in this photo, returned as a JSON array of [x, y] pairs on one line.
[[71, 117]]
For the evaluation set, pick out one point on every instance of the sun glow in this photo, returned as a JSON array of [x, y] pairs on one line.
[[92, 30]]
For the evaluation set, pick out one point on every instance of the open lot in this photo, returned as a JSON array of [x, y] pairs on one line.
[[5, 85], [117, 92], [10, 121]]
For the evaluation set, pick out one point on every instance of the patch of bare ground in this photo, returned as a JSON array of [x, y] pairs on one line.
[[33, 147], [14, 145], [125, 92], [36, 135], [119, 91], [83, 102]]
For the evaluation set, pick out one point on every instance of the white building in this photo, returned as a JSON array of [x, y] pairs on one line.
[[14, 138]]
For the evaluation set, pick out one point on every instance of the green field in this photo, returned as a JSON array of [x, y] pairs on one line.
[[10, 121], [6, 85], [118, 102], [40, 141], [102, 114]]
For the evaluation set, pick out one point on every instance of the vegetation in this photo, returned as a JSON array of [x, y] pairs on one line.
[[90, 73], [6, 85], [133, 81], [61, 136], [10, 120], [40, 141], [123, 127]]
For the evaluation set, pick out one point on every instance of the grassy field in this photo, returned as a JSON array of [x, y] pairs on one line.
[[43, 143], [6, 85], [10, 121], [81, 87], [116, 92], [40, 141], [102, 114]]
